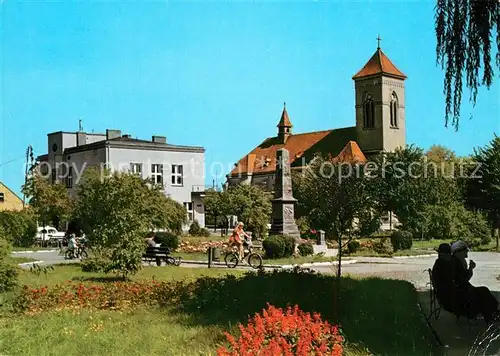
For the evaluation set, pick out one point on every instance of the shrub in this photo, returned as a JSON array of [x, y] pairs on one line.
[[167, 239], [8, 276], [8, 272], [204, 232], [274, 246], [95, 264], [194, 229], [401, 240], [306, 249], [302, 224], [353, 246], [290, 332], [289, 245], [19, 227], [382, 246]]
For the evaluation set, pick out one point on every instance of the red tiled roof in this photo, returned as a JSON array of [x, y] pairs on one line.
[[379, 63], [264, 155], [350, 153], [338, 143]]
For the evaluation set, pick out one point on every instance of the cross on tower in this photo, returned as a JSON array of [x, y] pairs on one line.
[[378, 41]]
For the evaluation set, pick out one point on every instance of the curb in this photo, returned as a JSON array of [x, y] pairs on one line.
[[312, 264], [416, 256], [40, 251], [29, 263]]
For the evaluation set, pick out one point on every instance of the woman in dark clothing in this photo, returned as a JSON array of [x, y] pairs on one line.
[[442, 278], [479, 299]]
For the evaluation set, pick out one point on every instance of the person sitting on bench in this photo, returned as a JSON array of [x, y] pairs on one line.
[[480, 299], [150, 240], [443, 281]]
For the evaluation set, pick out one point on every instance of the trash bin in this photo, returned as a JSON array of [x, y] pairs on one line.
[[216, 254]]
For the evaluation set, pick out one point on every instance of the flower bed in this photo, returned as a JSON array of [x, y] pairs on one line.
[[111, 296], [290, 332], [200, 247]]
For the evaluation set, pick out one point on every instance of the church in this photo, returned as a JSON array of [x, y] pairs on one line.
[[380, 126]]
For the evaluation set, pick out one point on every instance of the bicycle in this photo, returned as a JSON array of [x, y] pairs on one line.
[[78, 252], [254, 259]]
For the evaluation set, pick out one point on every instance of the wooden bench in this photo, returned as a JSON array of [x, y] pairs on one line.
[[159, 254]]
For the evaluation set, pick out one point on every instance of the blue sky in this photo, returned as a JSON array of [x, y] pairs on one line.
[[215, 75]]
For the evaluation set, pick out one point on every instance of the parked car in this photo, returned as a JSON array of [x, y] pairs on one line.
[[49, 235]]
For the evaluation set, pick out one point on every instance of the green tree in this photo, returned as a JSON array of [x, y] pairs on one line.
[[117, 211], [251, 204], [218, 206], [406, 181], [19, 227], [484, 184], [49, 201], [466, 33], [333, 196]]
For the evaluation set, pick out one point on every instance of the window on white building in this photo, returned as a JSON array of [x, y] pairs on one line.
[[177, 175], [136, 168], [157, 173], [2, 197], [189, 209]]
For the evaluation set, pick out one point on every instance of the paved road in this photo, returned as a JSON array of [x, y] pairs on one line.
[[412, 269]]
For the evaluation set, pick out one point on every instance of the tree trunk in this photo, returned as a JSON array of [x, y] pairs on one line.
[[390, 220], [498, 239], [338, 280]]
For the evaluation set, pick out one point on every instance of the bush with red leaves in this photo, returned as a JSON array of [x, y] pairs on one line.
[[289, 333]]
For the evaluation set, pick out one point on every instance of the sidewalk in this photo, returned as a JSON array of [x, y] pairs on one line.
[[458, 336]]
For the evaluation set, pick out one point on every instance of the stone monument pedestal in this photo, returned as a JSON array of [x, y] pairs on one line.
[[283, 219]]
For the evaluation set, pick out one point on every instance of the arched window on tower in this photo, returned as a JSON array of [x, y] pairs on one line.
[[369, 112], [394, 110]]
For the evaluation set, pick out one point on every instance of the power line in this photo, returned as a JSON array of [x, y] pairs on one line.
[[12, 160]]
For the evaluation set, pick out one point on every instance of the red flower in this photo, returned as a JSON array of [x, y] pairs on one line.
[[287, 333]]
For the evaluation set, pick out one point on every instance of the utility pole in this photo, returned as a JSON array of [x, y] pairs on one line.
[[29, 163]]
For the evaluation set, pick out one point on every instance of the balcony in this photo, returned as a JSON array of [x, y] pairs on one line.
[[198, 189], [202, 189]]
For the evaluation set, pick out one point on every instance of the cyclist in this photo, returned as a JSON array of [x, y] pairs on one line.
[[236, 239], [72, 245]]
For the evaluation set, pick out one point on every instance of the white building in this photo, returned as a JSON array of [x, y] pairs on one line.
[[181, 169]]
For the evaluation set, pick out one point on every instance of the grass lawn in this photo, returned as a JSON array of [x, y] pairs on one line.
[[377, 314], [433, 244], [20, 259], [140, 332]]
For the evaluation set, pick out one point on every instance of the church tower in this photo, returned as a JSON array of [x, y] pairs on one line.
[[284, 126], [380, 105]]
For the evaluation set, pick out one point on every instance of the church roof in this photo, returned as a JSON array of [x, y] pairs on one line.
[[351, 153], [379, 63], [285, 120], [302, 148]]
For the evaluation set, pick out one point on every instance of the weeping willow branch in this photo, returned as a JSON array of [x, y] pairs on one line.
[[465, 30]]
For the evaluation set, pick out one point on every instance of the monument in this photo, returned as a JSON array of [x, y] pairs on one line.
[[283, 219]]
